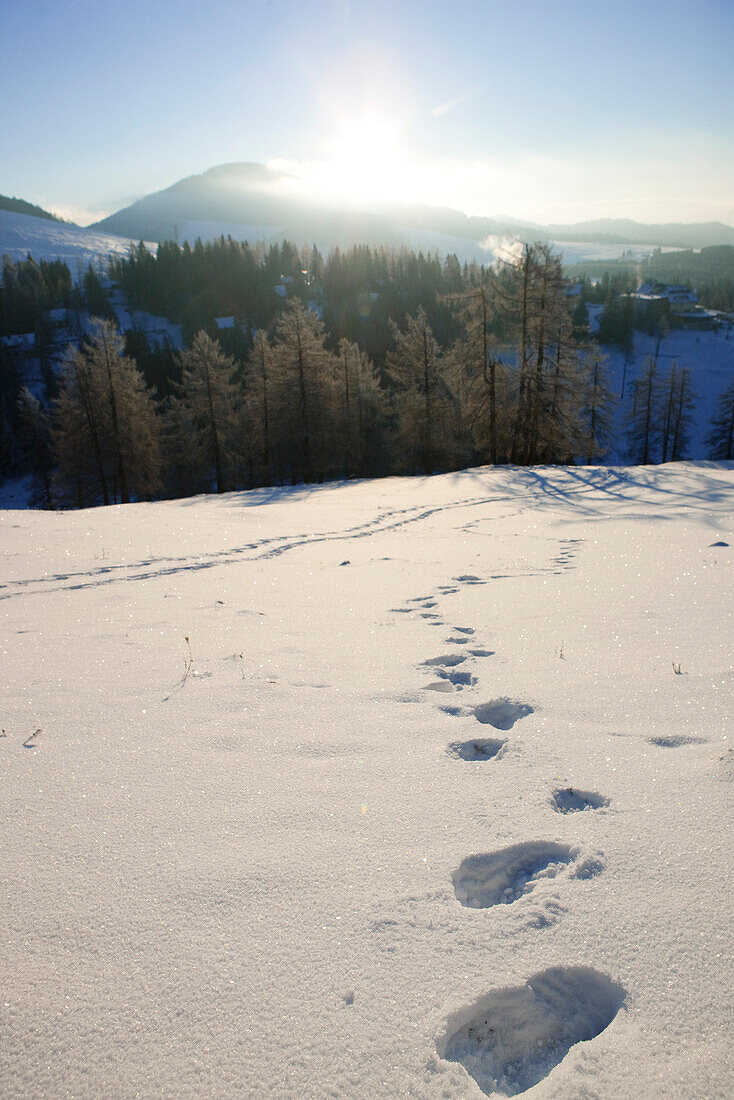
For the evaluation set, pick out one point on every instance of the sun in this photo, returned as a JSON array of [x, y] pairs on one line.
[[366, 159]]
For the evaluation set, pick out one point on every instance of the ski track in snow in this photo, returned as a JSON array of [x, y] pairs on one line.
[[618, 484]]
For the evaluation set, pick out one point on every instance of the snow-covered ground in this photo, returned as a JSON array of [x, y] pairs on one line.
[[413, 787], [708, 357], [21, 234]]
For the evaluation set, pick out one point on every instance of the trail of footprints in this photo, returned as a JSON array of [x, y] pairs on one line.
[[511, 1039]]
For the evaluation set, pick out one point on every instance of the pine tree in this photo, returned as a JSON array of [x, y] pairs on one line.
[[106, 433], [677, 401], [531, 291], [258, 397], [481, 378], [426, 403], [683, 416], [720, 440], [34, 430], [304, 389], [642, 420], [595, 410], [211, 400], [362, 409]]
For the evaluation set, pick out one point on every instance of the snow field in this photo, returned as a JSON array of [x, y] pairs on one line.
[[235, 865]]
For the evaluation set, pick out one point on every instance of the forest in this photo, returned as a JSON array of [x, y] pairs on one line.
[[366, 363]]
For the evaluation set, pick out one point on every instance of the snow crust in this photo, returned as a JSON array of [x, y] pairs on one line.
[[234, 823]]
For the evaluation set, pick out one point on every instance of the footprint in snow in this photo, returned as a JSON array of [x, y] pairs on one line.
[[456, 640], [503, 877], [483, 748], [511, 1039], [482, 652], [456, 680], [675, 741], [501, 713], [465, 629], [569, 800], [448, 660]]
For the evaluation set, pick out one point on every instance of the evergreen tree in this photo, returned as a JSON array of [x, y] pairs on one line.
[[211, 398], [362, 410], [106, 433], [35, 437], [304, 395], [720, 439], [258, 398], [481, 377], [595, 410], [426, 404], [677, 401], [642, 420]]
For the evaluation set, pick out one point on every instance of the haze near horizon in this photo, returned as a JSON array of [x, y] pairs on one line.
[[548, 114]]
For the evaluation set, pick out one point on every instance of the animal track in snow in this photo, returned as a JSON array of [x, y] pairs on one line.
[[468, 578], [501, 713], [511, 1039], [483, 748], [500, 878], [568, 800], [675, 741]]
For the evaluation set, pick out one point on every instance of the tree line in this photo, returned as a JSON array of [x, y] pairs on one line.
[[471, 366]]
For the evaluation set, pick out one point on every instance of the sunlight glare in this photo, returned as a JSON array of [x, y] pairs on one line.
[[366, 160]]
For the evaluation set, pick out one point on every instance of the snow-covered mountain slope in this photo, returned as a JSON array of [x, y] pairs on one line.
[[21, 234], [414, 787]]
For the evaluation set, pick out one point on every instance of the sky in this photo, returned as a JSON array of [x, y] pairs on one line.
[[546, 110]]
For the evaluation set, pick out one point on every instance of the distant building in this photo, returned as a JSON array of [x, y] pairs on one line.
[[666, 292], [22, 344], [224, 322]]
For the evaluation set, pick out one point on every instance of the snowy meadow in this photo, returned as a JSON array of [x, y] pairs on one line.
[[418, 787]]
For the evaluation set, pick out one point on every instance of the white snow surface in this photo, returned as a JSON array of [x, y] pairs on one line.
[[21, 234], [258, 862]]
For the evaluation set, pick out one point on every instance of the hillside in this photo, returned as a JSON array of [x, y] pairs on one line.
[[20, 206], [21, 234], [418, 787]]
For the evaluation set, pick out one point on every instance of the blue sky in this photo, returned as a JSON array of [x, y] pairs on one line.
[[553, 111]]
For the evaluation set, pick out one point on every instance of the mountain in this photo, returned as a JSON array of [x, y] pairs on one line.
[[246, 198], [253, 202], [669, 234], [20, 206]]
